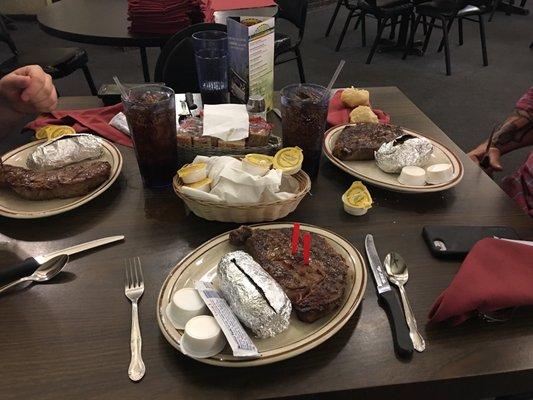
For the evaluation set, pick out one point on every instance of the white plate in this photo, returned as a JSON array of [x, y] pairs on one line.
[[368, 170], [14, 206], [300, 336]]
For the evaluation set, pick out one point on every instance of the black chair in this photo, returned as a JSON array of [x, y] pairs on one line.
[[176, 65], [294, 11], [56, 61], [347, 4], [446, 12], [354, 10], [333, 17], [509, 8], [386, 15]]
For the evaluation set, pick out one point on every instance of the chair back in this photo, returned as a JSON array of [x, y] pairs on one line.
[[294, 11], [176, 65], [451, 4], [5, 36]]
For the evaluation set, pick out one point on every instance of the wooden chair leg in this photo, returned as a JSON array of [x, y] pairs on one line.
[[381, 27], [460, 25], [363, 29], [300, 63], [446, 46], [334, 16], [346, 24], [441, 45], [483, 40], [428, 34], [414, 27], [89, 79]]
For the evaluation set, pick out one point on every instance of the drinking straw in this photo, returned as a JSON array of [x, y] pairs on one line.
[[334, 77], [121, 87], [295, 238], [307, 248]]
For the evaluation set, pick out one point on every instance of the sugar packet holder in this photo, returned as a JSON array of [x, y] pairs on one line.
[[241, 344]]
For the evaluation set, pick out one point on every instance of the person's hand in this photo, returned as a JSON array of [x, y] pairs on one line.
[[28, 90], [477, 154]]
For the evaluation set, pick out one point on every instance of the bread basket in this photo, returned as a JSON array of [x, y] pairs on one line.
[[245, 213]]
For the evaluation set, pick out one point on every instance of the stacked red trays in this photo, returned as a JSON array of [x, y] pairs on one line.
[[164, 17]]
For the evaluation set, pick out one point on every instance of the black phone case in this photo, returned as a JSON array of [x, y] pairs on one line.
[[456, 241]]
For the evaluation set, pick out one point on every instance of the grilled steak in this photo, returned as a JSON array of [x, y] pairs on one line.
[[315, 289], [70, 181], [359, 141]]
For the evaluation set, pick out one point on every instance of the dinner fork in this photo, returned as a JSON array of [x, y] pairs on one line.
[[134, 289]]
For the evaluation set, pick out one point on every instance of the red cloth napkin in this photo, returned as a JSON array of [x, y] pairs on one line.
[[338, 114], [93, 119], [496, 274]]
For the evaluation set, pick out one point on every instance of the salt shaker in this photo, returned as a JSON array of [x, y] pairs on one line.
[[256, 106]]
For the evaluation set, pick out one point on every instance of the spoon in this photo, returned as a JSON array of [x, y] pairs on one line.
[[398, 275], [42, 274]]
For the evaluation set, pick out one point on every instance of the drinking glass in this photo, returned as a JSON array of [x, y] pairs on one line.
[[151, 114], [211, 54], [304, 110]]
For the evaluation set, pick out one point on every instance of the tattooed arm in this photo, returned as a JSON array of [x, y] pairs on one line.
[[516, 132]]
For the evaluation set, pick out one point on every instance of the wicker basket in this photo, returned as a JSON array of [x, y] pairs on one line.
[[245, 213], [186, 155]]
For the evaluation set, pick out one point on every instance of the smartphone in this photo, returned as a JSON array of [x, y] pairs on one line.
[[454, 242]]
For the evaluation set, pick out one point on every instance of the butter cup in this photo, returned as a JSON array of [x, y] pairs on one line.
[[185, 304], [192, 173], [357, 211], [439, 173], [202, 338], [413, 176], [357, 188], [257, 165]]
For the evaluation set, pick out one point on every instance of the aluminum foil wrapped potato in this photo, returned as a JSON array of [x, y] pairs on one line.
[[406, 150], [65, 150], [253, 295]]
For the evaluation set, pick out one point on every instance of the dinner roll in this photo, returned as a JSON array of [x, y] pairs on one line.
[[353, 97], [363, 114]]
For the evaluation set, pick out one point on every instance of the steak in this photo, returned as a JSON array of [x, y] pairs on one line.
[[359, 141], [315, 289], [70, 181]]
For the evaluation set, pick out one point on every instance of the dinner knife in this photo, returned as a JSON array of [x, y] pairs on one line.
[[389, 301], [29, 265]]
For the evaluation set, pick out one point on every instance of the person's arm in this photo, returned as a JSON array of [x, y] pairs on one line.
[[27, 90], [516, 132]]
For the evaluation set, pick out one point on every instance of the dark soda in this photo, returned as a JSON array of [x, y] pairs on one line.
[[151, 115], [304, 110]]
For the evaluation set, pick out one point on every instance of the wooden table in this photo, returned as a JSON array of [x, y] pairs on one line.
[[70, 338], [101, 22]]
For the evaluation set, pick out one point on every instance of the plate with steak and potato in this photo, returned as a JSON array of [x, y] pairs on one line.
[[32, 188], [324, 290], [376, 153]]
